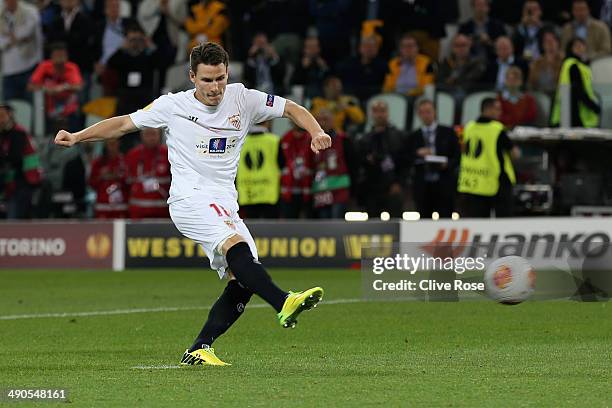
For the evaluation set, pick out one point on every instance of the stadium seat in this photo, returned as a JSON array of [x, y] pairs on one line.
[[125, 9], [398, 109], [445, 43], [96, 90], [182, 45], [177, 78], [92, 119], [601, 69], [22, 111], [280, 126], [38, 113], [604, 93], [236, 72], [470, 109], [445, 106], [543, 103]]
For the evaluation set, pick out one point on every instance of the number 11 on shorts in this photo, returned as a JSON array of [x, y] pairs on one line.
[[220, 210]]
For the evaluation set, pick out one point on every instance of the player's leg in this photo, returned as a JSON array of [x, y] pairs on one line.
[[250, 273], [224, 313], [241, 256], [202, 224], [226, 310]]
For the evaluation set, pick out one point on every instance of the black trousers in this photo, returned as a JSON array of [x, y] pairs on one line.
[[296, 208], [269, 211], [434, 197], [379, 201], [475, 206]]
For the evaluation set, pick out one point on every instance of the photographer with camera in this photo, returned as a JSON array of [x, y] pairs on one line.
[[527, 34], [264, 70], [134, 71]]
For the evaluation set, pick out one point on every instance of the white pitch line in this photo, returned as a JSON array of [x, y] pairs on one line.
[[149, 310], [159, 367]]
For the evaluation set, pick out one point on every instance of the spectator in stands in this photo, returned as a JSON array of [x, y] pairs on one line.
[[61, 81], [363, 75], [21, 46], [605, 14], [48, 10], [495, 76], [544, 71], [518, 107], [526, 35], [207, 21], [346, 111], [296, 163], [381, 166], [74, 28], [20, 171], [434, 181], [312, 69], [482, 29], [162, 21], [148, 176], [595, 33], [423, 19], [264, 69], [110, 33], [576, 73], [459, 73], [286, 34], [134, 66], [108, 178], [410, 72], [331, 185]]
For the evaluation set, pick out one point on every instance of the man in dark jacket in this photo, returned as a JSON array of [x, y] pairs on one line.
[[483, 29], [19, 166], [381, 165], [434, 151], [74, 28]]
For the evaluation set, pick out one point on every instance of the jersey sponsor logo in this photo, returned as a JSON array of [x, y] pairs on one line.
[[193, 118], [270, 100], [217, 145], [234, 120]]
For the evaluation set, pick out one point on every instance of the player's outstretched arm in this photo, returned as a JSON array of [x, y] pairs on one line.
[[106, 129], [301, 117]]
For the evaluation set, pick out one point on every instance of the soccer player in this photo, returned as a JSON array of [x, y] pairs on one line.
[[206, 128]]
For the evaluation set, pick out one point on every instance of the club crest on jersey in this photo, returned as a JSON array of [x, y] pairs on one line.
[[217, 145], [270, 100], [234, 120]]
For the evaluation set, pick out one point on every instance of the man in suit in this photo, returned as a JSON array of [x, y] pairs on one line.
[[495, 75], [434, 151], [381, 168], [482, 29], [594, 32]]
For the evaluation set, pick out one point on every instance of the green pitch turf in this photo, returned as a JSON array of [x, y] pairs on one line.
[[348, 353]]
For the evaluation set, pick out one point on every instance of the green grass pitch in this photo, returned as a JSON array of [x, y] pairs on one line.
[[344, 353]]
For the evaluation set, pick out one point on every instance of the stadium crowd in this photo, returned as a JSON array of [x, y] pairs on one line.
[[345, 60]]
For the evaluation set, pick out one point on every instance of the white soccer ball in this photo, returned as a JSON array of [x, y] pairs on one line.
[[509, 280]]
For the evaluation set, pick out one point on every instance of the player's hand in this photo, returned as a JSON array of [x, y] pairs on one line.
[[320, 141], [64, 138]]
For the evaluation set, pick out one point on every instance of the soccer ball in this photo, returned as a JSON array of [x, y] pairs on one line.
[[509, 280]]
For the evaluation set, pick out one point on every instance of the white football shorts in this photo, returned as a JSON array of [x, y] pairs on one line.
[[209, 219]]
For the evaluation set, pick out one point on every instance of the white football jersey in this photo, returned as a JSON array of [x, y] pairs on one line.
[[204, 142]]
